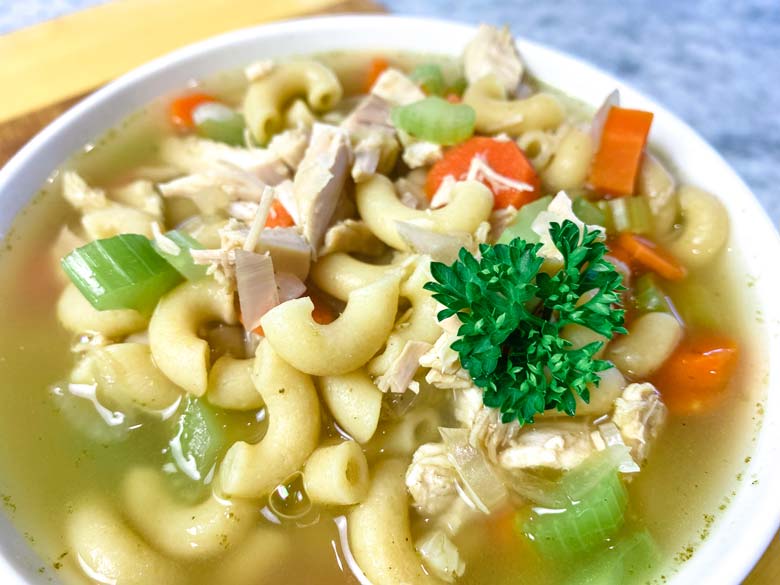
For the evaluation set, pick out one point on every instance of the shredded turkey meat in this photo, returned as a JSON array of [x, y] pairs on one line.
[[351, 235], [431, 479], [399, 377], [493, 51], [639, 414]]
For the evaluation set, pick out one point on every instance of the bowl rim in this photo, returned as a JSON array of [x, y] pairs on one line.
[[719, 558]]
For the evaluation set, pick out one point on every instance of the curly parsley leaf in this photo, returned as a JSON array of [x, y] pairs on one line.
[[512, 314]]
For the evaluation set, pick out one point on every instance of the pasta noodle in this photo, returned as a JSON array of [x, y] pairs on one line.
[[379, 534], [705, 227], [293, 429], [658, 185], [77, 315], [337, 475], [495, 113], [380, 208], [266, 98], [339, 274], [179, 530], [173, 331], [650, 340], [570, 164], [338, 347], [354, 401], [231, 386]]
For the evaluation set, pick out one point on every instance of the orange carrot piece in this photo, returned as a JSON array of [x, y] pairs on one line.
[[617, 160], [377, 66], [503, 156], [453, 98], [639, 250], [181, 109], [278, 216], [693, 379]]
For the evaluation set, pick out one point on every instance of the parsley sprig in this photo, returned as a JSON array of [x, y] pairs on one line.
[[512, 314]]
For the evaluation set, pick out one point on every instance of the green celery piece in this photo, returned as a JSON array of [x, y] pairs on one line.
[[457, 87], [218, 122], [199, 440], [598, 501], [588, 212], [436, 120], [122, 272], [627, 561], [429, 77], [648, 296], [183, 262], [521, 225], [631, 214]]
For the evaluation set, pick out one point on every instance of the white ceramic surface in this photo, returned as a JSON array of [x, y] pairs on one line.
[[739, 535]]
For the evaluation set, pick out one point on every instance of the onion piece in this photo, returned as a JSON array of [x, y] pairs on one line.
[[600, 117], [440, 247], [257, 292], [290, 286], [480, 483], [613, 440]]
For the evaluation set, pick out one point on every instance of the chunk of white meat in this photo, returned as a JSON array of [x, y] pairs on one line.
[[141, 195], [396, 88], [639, 415], [399, 377], [493, 51], [553, 446], [373, 111], [445, 370], [432, 479], [320, 179], [419, 153], [259, 69], [411, 189], [557, 211], [440, 555], [194, 155], [500, 219], [373, 137], [290, 146], [80, 195], [288, 249], [351, 235]]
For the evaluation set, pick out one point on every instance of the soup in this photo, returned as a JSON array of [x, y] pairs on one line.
[[371, 319]]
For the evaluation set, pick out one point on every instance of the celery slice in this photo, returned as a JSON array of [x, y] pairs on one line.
[[218, 122], [182, 261], [199, 440], [429, 77], [629, 560], [631, 214], [648, 296], [588, 212], [436, 120], [598, 501], [122, 272], [457, 87], [521, 225]]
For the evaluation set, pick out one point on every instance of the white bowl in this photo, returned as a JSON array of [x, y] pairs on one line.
[[744, 530]]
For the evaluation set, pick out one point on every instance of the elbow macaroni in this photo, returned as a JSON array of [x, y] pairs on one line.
[[191, 532], [266, 98], [651, 339], [337, 475], [705, 228], [380, 208], [339, 274], [570, 163], [293, 429], [77, 315], [231, 386], [354, 401], [379, 534], [173, 331], [658, 186], [495, 113], [338, 347]]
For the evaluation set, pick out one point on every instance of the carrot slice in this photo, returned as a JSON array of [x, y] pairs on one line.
[[693, 379], [377, 66], [453, 98], [278, 216], [638, 250], [623, 140], [504, 156], [181, 109]]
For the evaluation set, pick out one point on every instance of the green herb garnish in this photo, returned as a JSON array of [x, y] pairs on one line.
[[512, 315]]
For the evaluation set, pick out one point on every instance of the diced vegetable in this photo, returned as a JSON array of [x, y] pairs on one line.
[[651, 256], [278, 216], [596, 509], [505, 157], [619, 154], [457, 87], [436, 120], [521, 225], [199, 440], [626, 561], [122, 272], [377, 66], [649, 297], [589, 212], [694, 378], [181, 109], [630, 214], [483, 488], [430, 78], [218, 122], [182, 261]]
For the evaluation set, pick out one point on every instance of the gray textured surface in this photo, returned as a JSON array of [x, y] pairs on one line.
[[716, 63]]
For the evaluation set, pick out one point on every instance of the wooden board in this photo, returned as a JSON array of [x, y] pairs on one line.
[[28, 58]]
